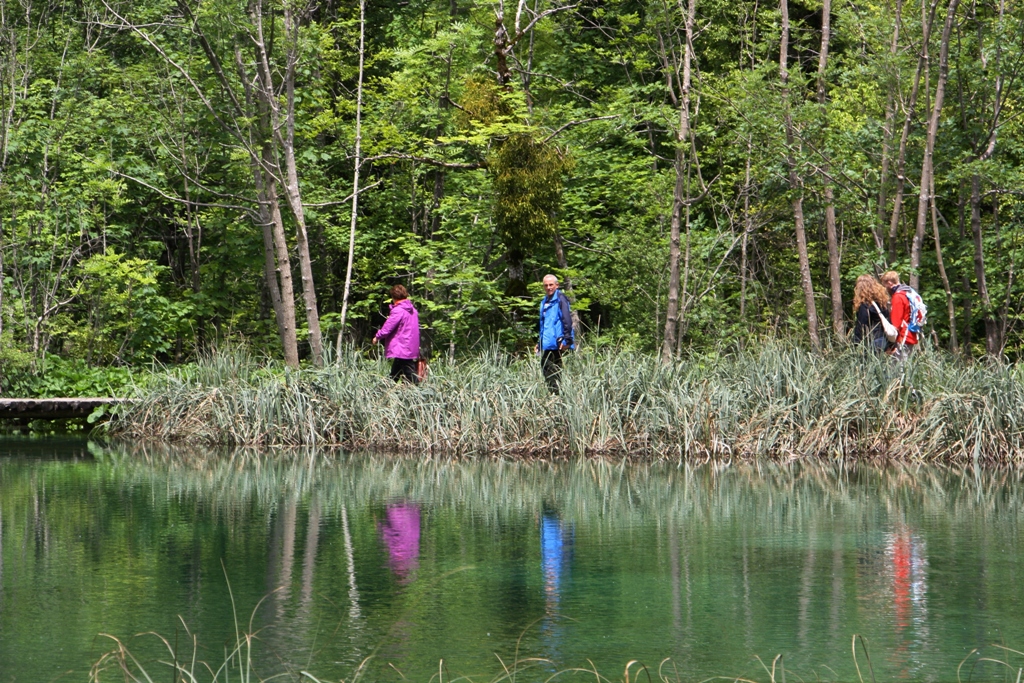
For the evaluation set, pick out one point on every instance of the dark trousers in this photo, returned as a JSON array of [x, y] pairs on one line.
[[404, 368], [551, 366]]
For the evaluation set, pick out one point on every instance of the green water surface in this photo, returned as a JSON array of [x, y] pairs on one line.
[[447, 569]]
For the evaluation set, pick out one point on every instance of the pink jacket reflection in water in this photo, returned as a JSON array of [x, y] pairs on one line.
[[400, 532]]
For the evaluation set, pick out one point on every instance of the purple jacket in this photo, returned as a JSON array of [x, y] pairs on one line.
[[401, 331]]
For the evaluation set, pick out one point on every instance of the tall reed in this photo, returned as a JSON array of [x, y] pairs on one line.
[[776, 401]]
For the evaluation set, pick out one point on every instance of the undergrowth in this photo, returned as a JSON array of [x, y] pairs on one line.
[[775, 401]]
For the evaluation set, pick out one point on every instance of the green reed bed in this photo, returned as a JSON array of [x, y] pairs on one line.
[[775, 401]]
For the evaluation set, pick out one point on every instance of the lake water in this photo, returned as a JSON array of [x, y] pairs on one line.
[[422, 568]]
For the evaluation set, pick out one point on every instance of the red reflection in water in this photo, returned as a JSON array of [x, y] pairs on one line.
[[906, 552], [902, 566]]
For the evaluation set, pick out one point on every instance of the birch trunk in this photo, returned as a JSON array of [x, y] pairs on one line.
[[838, 326], [293, 193], [277, 263], [281, 273], [255, 136], [355, 174]]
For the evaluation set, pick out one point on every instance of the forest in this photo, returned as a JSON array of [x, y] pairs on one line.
[[176, 173]]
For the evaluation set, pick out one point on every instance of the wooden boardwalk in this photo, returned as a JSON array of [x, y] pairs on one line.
[[52, 408]]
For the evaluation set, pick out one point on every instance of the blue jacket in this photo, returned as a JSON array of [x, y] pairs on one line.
[[555, 322]]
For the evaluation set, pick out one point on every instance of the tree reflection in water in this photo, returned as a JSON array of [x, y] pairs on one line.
[[708, 565]]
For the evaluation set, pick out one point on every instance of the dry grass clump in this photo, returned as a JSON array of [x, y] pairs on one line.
[[776, 401]]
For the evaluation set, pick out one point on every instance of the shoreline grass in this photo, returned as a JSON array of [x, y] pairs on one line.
[[776, 402], [187, 663]]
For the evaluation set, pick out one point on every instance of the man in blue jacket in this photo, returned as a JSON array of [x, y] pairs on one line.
[[556, 333]]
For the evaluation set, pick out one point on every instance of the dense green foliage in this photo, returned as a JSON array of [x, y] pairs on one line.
[[145, 146]]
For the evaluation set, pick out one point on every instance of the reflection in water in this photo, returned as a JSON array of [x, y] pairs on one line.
[[312, 546], [707, 566], [281, 556], [555, 555], [354, 613], [907, 556], [400, 532], [556, 546]]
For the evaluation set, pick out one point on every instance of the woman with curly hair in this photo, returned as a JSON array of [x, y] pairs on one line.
[[866, 293]]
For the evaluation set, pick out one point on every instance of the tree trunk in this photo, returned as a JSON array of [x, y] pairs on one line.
[[991, 326], [502, 46], [194, 239], [835, 281], [927, 166], [967, 293], [678, 195], [747, 229], [286, 138], [684, 299], [950, 310], [256, 137], [838, 327], [795, 184], [1004, 310], [514, 261], [672, 308], [908, 120], [291, 185], [355, 174], [993, 333], [887, 135], [277, 260], [280, 272]]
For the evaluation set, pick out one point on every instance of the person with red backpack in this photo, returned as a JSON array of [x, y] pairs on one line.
[[908, 314]]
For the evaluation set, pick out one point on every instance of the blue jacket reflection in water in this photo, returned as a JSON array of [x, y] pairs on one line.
[[556, 548], [555, 331]]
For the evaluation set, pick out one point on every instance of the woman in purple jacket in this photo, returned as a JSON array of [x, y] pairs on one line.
[[401, 336]]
